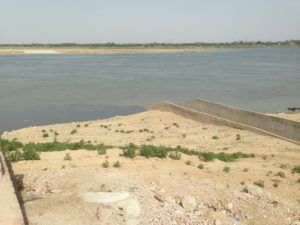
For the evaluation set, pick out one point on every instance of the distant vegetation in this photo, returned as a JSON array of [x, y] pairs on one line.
[[295, 43]]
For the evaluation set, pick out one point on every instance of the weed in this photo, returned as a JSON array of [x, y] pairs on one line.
[[73, 131], [43, 131], [68, 157], [175, 124], [105, 164], [15, 156], [153, 151], [188, 162], [296, 169], [130, 151], [280, 174], [56, 133], [175, 155], [238, 137], [31, 154], [269, 173], [226, 169], [78, 125], [259, 183], [242, 183], [215, 137], [200, 167], [167, 128], [283, 166], [117, 164], [86, 125], [208, 156], [264, 157], [101, 151], [45, 135]]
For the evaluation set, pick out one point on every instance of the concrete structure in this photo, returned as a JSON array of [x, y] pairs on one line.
[[10, 210], [209, 112]]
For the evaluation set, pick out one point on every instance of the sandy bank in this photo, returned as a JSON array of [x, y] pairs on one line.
[[160, 185]]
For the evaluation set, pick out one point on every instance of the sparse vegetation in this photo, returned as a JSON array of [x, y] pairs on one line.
[[68, 157], [280, 174], [78, 125], [176, 155], [188, 162], [183, 135], [245, 170], [101, 151], [129, 151], [283, 166], [86, 125], [296, 169], [275, 185], [265, 157], [200, 167], [242, 183], [226, 169], [105, 164], [15, 156], [73, 131], [45, 135], [259, 183], [55, 133], [175, 124], [31, 154], [215, 137], [153, 151], [238, 137], [117, 164]]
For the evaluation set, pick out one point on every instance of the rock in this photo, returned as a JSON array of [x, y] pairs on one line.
[[189, 203], [104, 197], [31, 196], [256, 191]]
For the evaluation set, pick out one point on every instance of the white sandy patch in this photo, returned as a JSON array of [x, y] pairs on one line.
[[37, 51]]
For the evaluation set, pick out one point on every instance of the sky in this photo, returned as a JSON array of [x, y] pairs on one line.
[[141, 21]]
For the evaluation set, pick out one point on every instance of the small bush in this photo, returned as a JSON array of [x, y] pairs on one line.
[[130, 151], [43, 131], [153, 151], [86, 125], [200, 167], [259, 183], [188, 162], [245, 170], [8, 146], [30, 154], [215, 137], [296, 169], [78, 125], [238, 137], [283, 166], [226, 169], [15, 156], [275, 185], [45, 135], [117, 164], [242, 183], [183, 135], [175, 155], [73, 132], [55, 133], [101, 151], [105, 164], [280, 174], [68, 157], [208, 156], [298, 181], [175, 125], [264, 157]]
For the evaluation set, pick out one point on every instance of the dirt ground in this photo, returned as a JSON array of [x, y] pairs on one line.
[[159, 191]]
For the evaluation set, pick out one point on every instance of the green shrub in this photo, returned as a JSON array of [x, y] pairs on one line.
[[238, 137], [207, 156], [215, 137], [15, 156], [45, 135], [68, 157], [226, 169], [8, 146], [101, 151], [130, 151], [73, 131], [242, 183], [43, 131], [259, 183], [55, 133], [105, 164], [86, 125], [188, 162], [175, 155], [296, 169], [117, 164], [264, 157], [153, 151], [31, 154], [200, 167], [78, 125], [280, 174]]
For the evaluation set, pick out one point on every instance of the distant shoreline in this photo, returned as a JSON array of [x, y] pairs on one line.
[[79, 50]]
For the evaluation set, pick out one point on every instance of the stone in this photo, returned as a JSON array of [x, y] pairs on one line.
[[189, 203]]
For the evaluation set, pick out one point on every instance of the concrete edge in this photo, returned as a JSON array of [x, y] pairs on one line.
[[211, 119], [11, 210]]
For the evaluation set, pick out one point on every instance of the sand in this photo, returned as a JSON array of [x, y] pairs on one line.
[[219, 195]]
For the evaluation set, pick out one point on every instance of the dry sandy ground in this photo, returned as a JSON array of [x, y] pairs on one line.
[[289, 116], [100, 51], [161, 191]]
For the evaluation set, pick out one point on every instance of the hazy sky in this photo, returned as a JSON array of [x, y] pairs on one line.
[[97, 21]]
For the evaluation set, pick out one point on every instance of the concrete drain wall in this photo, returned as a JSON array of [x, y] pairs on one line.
[[10, 210], [209, 112]]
